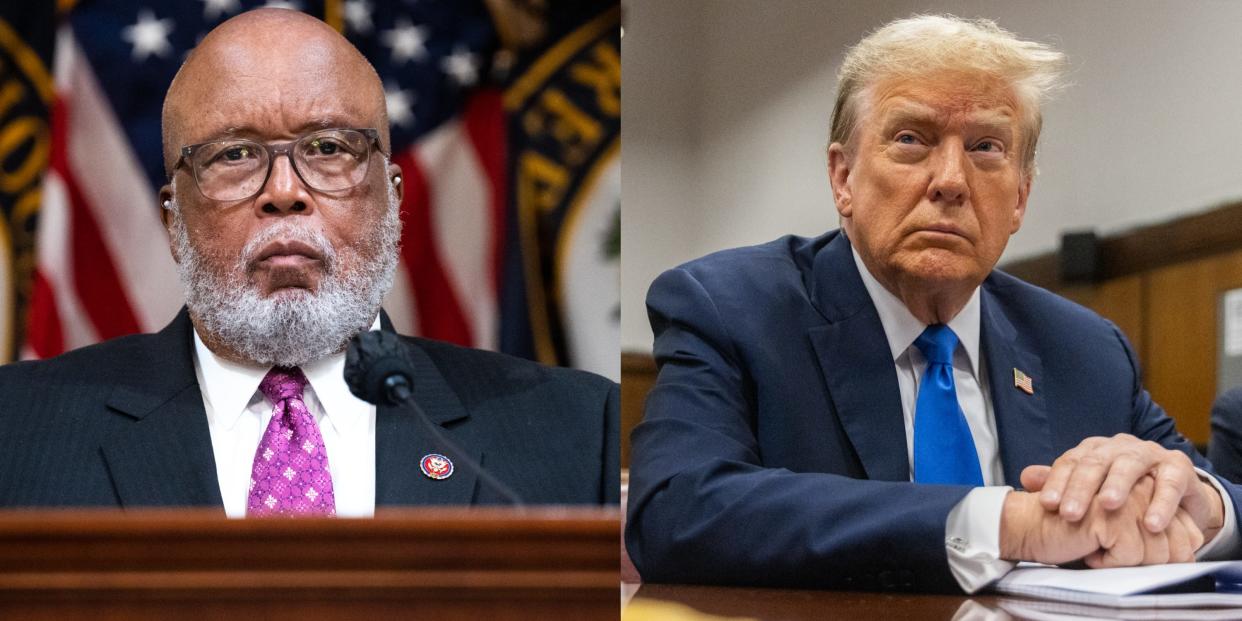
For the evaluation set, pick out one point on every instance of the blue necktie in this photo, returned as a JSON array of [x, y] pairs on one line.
[[943, 449]]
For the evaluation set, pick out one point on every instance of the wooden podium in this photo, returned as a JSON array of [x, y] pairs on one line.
[[441, 564]]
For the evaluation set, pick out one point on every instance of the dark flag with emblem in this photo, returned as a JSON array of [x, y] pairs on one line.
[[26, 34], [473, 88], [563, 281]]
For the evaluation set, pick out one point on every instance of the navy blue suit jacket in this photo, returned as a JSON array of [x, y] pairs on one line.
[[1225, 446], [773, 449], [122, 424]]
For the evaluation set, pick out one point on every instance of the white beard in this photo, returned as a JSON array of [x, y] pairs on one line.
[[290, 328]]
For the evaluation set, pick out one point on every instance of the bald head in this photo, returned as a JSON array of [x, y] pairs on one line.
[[271, 74]]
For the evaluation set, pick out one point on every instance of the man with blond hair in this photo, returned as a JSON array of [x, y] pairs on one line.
[[878, 407]]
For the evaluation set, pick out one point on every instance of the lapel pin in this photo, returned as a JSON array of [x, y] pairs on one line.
[[1023, 382], [436, 466]]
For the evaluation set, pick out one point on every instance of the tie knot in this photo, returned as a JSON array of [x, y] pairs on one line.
[[283, 383], [937, 343]]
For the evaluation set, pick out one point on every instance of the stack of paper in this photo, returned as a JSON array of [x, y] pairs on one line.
[[1180, 585]]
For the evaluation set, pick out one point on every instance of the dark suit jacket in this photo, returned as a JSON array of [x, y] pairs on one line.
[[773, 449], [1225, 446], [122, 424]]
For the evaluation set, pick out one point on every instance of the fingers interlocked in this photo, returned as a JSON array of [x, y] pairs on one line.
[[1110, 468]]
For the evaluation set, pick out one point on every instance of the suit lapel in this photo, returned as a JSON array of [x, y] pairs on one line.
[[402, 441], [857, 365], [1021, 419], [164, 457]]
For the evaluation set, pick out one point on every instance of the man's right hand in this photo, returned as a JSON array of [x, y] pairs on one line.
[[1102, 538]]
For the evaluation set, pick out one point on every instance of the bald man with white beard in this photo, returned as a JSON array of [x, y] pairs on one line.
[[282, 210]]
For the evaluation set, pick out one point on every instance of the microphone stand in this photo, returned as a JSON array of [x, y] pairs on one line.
[[378, 370], [398, 393]]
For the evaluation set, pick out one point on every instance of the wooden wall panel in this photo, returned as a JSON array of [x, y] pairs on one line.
[[1120, 300], [1181, 337]]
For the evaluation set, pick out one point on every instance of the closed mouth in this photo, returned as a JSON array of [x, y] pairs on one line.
[[278, 249]]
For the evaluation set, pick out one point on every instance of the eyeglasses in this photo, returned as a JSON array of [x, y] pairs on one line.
[[329, 160]]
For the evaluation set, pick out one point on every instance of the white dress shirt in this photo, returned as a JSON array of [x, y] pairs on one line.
[[238, 413], [972, 531]]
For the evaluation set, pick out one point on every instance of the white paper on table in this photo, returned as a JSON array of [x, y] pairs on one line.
[[1123, 587], [1044, 610]]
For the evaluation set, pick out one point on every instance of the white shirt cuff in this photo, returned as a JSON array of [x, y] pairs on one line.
[[1225, 544], [972, 538]]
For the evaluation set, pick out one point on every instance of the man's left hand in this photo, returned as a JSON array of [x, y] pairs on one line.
[[1110, 467]]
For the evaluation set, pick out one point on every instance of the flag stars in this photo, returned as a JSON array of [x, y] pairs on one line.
[[149, 36], [358, 16], [462, 66], [408, 42], [215, 9], [400, 105], [283, 4]]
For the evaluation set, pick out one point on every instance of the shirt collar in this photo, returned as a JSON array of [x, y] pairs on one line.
[[344, 411], [902, 327], [229, 388]]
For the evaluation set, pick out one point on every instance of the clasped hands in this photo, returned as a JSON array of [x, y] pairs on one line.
[[1111, 502]]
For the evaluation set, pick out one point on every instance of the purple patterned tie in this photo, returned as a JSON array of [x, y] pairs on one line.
[[290, 475]]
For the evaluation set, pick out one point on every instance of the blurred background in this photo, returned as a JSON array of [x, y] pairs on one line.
[[505, 118], [1134, 211]]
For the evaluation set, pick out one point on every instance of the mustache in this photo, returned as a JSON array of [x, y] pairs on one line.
[[288, 230]]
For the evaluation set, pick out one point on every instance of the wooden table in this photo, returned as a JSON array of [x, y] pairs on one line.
[[795, 605]]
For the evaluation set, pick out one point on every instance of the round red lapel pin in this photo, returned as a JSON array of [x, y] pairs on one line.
[[436, 466]]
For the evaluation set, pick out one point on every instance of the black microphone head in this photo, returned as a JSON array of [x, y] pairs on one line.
[[375, 361]]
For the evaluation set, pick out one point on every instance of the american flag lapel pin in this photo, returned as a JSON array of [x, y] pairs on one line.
[[1023, 382]]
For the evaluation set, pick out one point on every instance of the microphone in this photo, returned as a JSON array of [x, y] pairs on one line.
[[378, 370]]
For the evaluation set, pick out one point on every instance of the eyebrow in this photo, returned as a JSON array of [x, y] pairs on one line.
[[907, 114], [250, 131]]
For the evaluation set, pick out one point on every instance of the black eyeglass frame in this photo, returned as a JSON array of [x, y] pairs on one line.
[[276, 150]]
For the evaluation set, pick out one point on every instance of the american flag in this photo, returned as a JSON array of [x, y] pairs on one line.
[[1023, 382], [474, 269]]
